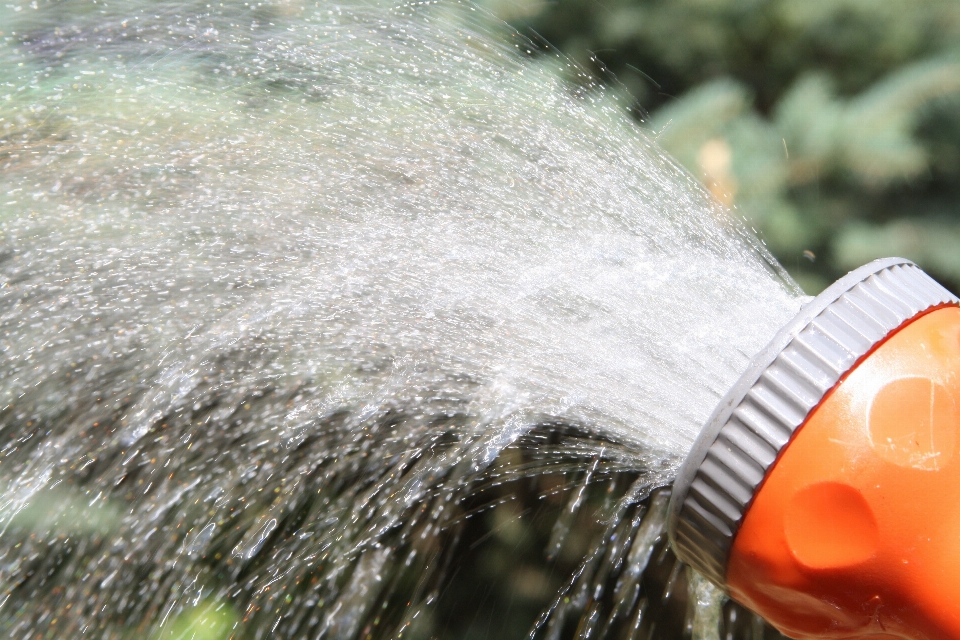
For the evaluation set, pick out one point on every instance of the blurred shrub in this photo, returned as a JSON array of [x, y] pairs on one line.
[[208, 620], [833, 127]]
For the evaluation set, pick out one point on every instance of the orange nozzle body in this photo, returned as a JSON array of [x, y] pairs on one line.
[[855, 533], [824, 491]]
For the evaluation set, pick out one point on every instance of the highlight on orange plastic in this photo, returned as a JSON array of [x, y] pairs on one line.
[[855, 532]]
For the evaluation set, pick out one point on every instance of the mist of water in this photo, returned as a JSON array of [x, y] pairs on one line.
[[279, 282]]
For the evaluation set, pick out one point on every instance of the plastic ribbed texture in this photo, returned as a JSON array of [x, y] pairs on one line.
[[788, 379]]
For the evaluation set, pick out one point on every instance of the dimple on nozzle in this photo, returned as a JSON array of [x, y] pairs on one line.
[[824, 491]]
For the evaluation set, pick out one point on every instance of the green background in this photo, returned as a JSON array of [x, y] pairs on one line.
[[832, 127]]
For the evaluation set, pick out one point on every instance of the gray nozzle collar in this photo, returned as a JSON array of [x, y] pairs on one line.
[[772, 399]]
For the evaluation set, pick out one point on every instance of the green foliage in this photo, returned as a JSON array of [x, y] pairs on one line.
[[832, 127], [63, 511], [932, 242], [208, 620]]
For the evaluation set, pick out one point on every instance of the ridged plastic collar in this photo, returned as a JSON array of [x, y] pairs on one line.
[[772, 399]]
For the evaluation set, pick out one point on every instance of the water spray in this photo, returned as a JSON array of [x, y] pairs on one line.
[[292, 294], [819, 493]]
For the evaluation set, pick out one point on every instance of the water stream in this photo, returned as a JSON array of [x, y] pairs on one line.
[[291, 293]]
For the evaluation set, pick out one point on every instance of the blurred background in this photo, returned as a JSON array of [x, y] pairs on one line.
[[832, 126]]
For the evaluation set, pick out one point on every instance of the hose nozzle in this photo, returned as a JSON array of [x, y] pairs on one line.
[[824, 491]]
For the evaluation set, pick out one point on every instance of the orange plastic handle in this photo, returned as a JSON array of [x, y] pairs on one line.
[[855, 533]]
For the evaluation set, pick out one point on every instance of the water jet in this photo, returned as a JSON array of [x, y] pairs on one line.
[[305, 307]]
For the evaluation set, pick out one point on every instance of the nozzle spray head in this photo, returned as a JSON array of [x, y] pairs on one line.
[[824, 491]]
